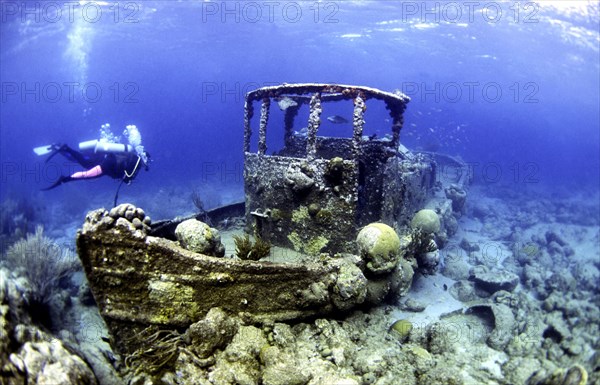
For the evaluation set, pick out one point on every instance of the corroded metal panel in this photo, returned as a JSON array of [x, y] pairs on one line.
[[307, 206]]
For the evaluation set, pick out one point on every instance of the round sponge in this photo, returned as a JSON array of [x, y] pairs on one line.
[[426, 220], [379, 245]]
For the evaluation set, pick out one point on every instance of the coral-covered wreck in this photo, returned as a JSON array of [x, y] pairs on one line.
[[345, 202]]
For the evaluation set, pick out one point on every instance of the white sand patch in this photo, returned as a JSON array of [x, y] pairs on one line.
[[430, 291]]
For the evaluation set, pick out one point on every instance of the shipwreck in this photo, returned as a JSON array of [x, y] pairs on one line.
[[347, 203]]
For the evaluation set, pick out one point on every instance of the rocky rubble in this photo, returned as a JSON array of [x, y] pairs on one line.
[[29, 354]]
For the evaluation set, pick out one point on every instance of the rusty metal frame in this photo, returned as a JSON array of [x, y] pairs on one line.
[[314, 94]]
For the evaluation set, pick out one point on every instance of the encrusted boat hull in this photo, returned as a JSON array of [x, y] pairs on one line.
[[139, 280]]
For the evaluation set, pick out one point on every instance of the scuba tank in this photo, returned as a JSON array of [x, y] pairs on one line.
[[99, 146], [87, 146]]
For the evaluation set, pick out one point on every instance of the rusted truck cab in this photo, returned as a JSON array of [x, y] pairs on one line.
[[315, 192]]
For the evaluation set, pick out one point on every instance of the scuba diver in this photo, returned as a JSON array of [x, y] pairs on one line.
[[103, 156]]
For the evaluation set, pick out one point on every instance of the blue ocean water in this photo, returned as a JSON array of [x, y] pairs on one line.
[[512, 88]]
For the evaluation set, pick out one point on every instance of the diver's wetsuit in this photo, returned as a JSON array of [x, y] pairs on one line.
[[123, 165]]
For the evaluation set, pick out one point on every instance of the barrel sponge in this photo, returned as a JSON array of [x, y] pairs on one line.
[[426, 220]]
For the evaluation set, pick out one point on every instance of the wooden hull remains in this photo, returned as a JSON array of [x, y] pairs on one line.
[[139, 281]]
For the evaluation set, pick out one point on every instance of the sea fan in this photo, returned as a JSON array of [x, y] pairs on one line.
[[43, 262]]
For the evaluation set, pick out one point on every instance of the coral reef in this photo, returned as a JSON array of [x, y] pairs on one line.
[[323, 352], [501, 335], [127, 215], [28, 353]]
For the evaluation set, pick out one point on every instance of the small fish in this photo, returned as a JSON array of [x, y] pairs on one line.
[[303, 132], [337, 119]]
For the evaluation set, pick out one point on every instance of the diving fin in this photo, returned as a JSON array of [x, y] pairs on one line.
[[61, 180], [44, 150]]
